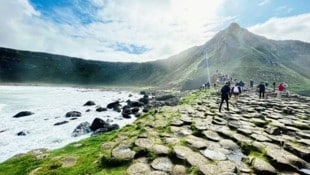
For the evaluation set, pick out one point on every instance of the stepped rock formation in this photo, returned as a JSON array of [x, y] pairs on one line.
[[257, 136]]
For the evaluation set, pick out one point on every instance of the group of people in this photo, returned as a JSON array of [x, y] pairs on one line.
[[235, 91], [227, 92]]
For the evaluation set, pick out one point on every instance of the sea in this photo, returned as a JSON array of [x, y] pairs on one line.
[[49, 105]]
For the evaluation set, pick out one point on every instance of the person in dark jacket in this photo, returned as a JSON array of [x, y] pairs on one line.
[[261, 89], [225, 94]]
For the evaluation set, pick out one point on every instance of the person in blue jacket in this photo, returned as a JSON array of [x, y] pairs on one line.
[[225, 94]]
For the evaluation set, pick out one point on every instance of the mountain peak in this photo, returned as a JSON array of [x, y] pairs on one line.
[[234, 26]]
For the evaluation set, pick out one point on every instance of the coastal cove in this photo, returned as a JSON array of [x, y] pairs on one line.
[[50, 105]]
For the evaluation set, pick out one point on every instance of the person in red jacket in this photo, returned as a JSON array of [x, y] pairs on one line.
[[280, 89]]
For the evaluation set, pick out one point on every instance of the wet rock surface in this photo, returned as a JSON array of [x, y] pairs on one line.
[[257, 136]]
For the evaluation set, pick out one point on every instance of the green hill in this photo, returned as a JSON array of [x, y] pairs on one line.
[[234, 51]]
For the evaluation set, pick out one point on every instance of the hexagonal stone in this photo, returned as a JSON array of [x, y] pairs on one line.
[[123, 153], [144, 143], [263, 167], [178, 170], [213, 154], [177, 123], [162, 164], [108, 145], [212, 135], [139, 169], [196, 142], [283, 157], [259, 122], [182, 151], [158, 173], [161, 149], [229, 144]]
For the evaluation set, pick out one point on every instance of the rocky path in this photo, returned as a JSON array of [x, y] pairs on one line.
[[257, 136]]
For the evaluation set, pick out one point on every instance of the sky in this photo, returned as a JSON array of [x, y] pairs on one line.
[[141, 30]]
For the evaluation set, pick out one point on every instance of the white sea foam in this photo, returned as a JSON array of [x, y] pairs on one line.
[[50, 104]]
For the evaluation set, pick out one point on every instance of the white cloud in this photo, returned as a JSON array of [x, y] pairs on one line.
[[264, 2], [289, 28], [166, 27], [283, 10]]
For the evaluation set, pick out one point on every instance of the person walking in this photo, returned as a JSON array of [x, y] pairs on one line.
[[225, 94], [280, 90], [261, 89], [251, 83], [236, 91], [241, 85], [274, 86]]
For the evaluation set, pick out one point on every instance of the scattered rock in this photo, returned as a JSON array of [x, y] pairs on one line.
[[73, 114], [22, 133], [98, 123], [115, 106], [61, 123], [23, 114], [101, 109], [89, 103], [81, 129]]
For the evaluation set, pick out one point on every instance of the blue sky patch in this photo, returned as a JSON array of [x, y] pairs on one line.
[[66, 11], [130, 48]]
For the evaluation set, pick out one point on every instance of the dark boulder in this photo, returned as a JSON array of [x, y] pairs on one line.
[[164, 97], [61, 123], [101, 109], [115, 106], [126, 109], [144, 100], [146, 109], [134, 103], [23, 114], [81, 129], [134, 110], [137, 114], [98, 123], [113, 127], [125, 115], [100, 131], [142, 93], [105, 129], [89, 103], [3, 130], [22, 133], [172, 102], [74, 114]]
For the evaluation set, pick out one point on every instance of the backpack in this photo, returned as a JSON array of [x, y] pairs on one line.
[[236, 89]]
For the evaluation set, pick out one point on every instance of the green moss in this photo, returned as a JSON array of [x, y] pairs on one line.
[[196, 96], [110, 162], [19, 165], [193, 171], [248, 149]]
